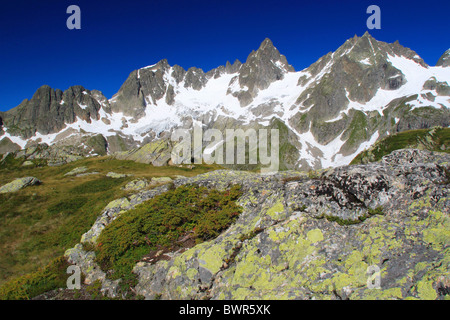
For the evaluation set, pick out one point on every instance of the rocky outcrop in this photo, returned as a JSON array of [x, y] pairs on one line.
[[19, 184], [54, 155], [316, 235], [442, 88], [76, 171], [444, 60], [6, 145], [119, 143], [262, 67], [142, 87], [157, 152], [115, 175], [136, 185], [71, 146]]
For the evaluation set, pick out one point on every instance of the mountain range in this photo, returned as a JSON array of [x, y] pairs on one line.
[[327, 113]]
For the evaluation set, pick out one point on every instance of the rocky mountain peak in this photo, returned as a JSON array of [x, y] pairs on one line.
[[160, 65], [444, 60], [267, 53], [233, 68], [267, 45], [262, 67], [46, 92], [143, 87], [49, 110], [370, 50], [353, 73]]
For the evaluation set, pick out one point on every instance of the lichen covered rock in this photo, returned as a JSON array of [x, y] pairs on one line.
[[136, 185], [18, 184], [76, 171], [115, 175], [303, 236]]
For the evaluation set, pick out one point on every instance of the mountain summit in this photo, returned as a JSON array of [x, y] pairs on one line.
[[327, 113], [262, 67]]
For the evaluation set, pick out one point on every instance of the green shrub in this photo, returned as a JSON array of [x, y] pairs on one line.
[[161, 221], [378, 210], [51, 277]]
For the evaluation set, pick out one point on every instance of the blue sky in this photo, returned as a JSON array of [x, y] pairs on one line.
[[117, 37]]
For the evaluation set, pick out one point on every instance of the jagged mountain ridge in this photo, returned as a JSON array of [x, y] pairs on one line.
[[329, 112]]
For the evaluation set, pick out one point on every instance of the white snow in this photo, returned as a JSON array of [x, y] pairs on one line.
[[148, 67], [366, 61]]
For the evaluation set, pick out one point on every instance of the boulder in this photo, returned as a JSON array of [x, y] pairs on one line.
[[136, 185], [115, 175], [18, 184], [76, 171]]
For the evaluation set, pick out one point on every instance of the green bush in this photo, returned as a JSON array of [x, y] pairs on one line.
[[161, 221], [51, 277]]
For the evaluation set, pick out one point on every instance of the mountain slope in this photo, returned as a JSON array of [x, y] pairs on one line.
[[330, 111], [434, 139]]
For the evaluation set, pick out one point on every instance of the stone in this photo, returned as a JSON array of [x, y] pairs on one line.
[[19, 184], [136, 185], [76, 171], [160, 180], [115, 175]]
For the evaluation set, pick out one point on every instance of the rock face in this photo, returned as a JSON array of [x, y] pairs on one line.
[[19, 184], [444, 60], [49, 110], [51, 155], [157, 153], [6, 145], [140, 84], [317, 235], [262, 67]]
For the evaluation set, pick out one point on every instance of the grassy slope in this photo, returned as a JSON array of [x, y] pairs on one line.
[[38, 223], [434, 139]]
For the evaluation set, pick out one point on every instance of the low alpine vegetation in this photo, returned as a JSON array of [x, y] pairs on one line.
[[158, 224]]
